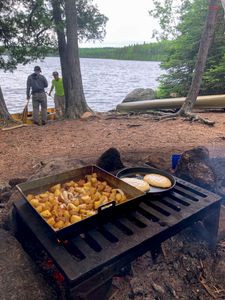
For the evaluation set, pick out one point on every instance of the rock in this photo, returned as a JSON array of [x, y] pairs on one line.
[[221, 233], [14, 181], [137, 286], [219, 269], [139, 95], [4, 187], [110, 160], [4, 197], [158, 288], [5, 192], [87, 115], [19, 277], [194, 166], [8, 218]]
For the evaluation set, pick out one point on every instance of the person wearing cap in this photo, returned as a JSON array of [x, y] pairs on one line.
[[36, 84], [59, 97]]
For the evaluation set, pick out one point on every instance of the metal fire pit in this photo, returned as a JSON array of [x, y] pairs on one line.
[[88, 261], [105, 212]]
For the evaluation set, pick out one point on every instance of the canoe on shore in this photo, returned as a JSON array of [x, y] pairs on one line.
[[18, 116], [203, 102]]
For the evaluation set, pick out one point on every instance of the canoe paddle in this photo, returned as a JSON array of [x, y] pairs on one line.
[[24, 113]]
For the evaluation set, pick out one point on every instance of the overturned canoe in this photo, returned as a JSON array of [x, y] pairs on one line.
[[213, 101], [18, 116]]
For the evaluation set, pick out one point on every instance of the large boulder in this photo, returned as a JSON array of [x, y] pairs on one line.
[[110, 160], [139, 95], [195, 166]]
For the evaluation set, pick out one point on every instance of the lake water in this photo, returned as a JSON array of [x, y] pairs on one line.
[[106, 82]]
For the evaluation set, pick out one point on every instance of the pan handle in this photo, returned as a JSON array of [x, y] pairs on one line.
[[106, 206]]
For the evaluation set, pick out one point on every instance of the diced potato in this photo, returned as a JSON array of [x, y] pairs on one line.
[[75, 219], [84, 211], [55, 187], [75, 210], [84, 206], [51, 221], [59, 224], [43, 195], [103, 198], [34, 202], [76, 202], [90, 206], [39, 208], [51, 197], [66, 214], [71, 202], [101, 187], [93, 179], [57, 192], [67, 223], [71, 206], [86, 199], [46, 214], [97, 204], [87, 186], [30, 197], [90, 213], [97, 195], [118, 197]]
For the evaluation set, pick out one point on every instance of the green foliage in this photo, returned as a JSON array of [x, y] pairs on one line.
[[91, 23], [27, 30], [144, 52], [168, 13], [181, 57]]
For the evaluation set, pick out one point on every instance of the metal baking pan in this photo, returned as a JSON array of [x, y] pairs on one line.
[[140, 172], [105, 212]]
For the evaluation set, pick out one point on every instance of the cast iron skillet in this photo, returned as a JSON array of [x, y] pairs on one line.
[[140, 172]]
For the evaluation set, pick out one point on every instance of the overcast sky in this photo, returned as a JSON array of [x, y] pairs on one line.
[[129, 22]]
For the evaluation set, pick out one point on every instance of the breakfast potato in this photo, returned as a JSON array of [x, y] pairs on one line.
[[70, 202]]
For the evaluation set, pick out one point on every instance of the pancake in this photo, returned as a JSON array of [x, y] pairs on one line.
[[137, 183], [158, 180]]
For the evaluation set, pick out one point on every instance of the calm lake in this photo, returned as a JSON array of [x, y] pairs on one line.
[[106, 82]]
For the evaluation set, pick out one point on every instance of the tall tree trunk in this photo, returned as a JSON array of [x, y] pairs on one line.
[[76, 101], [205, 42], [4, 114], [57, 17]]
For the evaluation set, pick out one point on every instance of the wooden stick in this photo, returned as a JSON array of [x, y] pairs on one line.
[[207, 288], [14, 127]]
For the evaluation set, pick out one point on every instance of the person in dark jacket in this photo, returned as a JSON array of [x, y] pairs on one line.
[[36, 84]]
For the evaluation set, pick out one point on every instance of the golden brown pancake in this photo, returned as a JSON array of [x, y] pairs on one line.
[[137, 183], [158, 180]]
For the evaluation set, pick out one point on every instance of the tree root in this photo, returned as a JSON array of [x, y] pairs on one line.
[[186, 117], [8, 122]]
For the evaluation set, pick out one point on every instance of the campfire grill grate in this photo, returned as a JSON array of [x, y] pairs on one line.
[[120, 241]]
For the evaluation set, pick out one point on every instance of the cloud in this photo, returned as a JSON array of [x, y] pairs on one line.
[[129, 21]]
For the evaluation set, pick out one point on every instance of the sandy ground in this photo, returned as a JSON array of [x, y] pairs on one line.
[[138, 139]]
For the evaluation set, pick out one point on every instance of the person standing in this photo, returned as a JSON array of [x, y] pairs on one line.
[[36, 84], [59, 97]]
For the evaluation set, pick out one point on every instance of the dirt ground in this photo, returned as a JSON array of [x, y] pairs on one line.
[[138, 139], [187, 269]]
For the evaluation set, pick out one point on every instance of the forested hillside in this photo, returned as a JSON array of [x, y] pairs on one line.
[[147, 52]]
